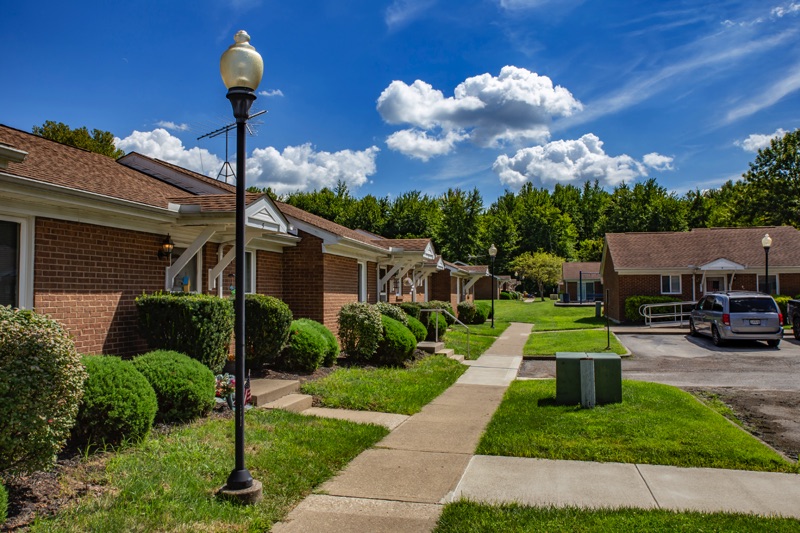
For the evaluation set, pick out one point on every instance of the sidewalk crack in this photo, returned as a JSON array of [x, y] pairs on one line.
[[646, 484]]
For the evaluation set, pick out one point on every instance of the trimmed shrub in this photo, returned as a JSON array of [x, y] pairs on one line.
[[438, 304], [398, 343], [417, 328], [392, 311], [433, 318], [267, 325], [3, 504], [467, 312], [410, 308], [782, 300], [184, 387], [306, 348], [360, 330], [633, 303], [41, 384], [118, 405], [332, 351], [199, 325], [483, 311], [505, 295]]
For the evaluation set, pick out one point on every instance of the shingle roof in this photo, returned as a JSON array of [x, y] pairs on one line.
[[475, 269], [215, 202], [66, 166], [408, 245], [702, 246], [195, 175], [325, 224], [580, 270]]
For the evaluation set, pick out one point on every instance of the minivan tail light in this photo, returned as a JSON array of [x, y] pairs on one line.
[[780, 318], [726, 319]]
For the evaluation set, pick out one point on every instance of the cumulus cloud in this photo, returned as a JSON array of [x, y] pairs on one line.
[[172, 125], [566, 161], [296, 168], [160, 144], [303, 168], [657, 161], [756, 141], [517, 105], [272, 92], [417, 144]]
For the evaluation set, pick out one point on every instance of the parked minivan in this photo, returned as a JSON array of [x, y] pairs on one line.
[[725, 316]]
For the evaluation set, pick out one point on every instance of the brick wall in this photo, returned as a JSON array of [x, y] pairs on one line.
[[87, 277], [612, 305], [789, 284], [439, 286], [483, 289], [269, 274], [303, 278], [341, 287], [372, 282]]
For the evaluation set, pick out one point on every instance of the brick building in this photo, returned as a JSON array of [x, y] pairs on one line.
[[80, 235], [686, 265], [581, 280]]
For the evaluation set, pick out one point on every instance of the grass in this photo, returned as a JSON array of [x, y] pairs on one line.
[[470, 517], [387, 390], [481, 336], [168, 483], [545, 316], [593, 340], [655, 424]]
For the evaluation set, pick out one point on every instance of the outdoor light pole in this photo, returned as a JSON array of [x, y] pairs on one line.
[[241, 68], [766, 242], [492, 253]]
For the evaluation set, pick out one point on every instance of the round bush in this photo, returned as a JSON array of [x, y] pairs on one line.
[[483, 311], [332, 353], [417, 328], [41, 384], [118, 403], [439, 304], [433, 318], [3, 504], [467, 312], [410, 308], [392, 311], [306, 348], [267, 326], [360, 330], [184, 387], [398, 343]]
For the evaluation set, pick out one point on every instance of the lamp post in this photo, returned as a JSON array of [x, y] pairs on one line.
[[241, 68], [766, 242], [492, 253]]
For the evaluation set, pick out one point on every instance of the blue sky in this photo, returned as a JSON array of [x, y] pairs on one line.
[[421, 94]]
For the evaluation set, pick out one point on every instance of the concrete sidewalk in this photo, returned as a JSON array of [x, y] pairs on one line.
[[401, 484]]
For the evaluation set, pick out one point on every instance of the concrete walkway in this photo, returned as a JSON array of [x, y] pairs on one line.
[[401, 483]]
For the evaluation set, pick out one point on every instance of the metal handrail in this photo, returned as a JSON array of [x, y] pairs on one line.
[[445, 311], [677, 314]]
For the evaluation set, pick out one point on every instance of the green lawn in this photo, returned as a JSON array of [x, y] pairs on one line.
[[545, 316], [387, 390], [470, 517], [169, 482], [655, 424], [481, 336], [592, 340]]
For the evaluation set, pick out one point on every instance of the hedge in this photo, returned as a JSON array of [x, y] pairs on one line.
[[267, 323], [3, 504], [411, 309], [483, 311], [306, 348], [439, 304], [119, 405], [360, 330], [398, 343], [199, 325], [332, 350], [184, 387], [417, 328], [41, 385], [467, 312], [633, 303], [433, 318], [392, 311]]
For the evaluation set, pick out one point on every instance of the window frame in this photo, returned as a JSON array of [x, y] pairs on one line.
[[25, 251], [250, 262], [361, 284], [671, 288], [774, 288]]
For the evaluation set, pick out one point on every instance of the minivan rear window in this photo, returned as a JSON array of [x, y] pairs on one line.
[[753, 305]]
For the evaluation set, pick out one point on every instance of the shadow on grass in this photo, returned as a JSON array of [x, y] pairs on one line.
[[591, 320]]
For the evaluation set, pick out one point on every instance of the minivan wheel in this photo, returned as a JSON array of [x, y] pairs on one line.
[[715, 338], [692, 329], [773, 343]]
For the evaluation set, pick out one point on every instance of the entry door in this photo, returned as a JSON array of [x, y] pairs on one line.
[[715, 284]]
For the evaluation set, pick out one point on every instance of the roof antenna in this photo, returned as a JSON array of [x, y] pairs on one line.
[[227, 170]]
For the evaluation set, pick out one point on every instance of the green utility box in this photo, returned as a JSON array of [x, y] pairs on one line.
[[607, 377]]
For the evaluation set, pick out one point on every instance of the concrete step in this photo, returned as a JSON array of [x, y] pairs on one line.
[[430, 346], [297, 403], [447, 352], [264, 391], [457, 357]]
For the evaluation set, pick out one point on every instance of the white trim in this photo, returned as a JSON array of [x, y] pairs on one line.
[[25, 260], [672, 289], [252, 263], [361, 272]]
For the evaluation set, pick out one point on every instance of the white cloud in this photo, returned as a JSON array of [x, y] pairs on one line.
[[401, 12], [303, 168], [172, 125], [788, 9], [417, 144], [756, 141], [160, 144], [272, 92], [296, 168], [768, 96], [657, 161], [517, 105], [566, 161]]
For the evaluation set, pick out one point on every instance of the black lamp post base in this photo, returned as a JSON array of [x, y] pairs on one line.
[[249, 496]]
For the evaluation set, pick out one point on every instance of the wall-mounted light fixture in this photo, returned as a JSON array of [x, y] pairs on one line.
[[166, 248]]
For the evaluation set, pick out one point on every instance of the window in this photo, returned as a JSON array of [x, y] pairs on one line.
[[773, 284], [362, 282], [670, 284], [382, 288], [249, 273], [187, 277], [9, 263]]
